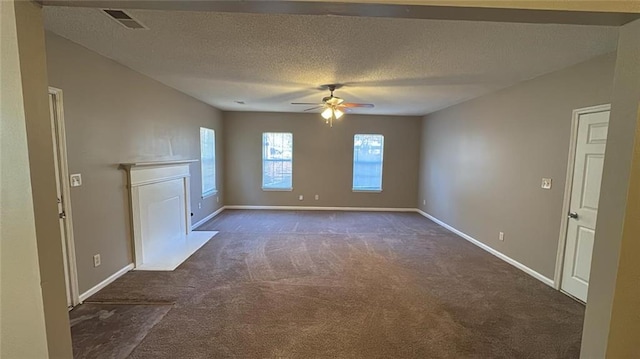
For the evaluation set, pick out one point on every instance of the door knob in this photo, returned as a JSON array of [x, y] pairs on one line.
[[573, 215]]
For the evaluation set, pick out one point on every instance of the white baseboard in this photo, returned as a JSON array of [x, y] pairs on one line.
[[105, 282], [205, 219], [307, 208], [500, 255]]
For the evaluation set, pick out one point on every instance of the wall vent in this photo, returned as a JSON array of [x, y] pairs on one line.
[[124, 19]]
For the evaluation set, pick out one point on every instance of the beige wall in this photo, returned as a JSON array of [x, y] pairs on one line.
[[33, 67], [612, 326], [22, 319], [483, 161], [322, 159], [115, 115]]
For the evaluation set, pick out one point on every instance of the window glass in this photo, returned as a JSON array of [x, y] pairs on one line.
[[208, 160], [277, 160], [367, 162]]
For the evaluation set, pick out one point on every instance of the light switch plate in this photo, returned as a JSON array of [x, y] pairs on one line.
[[76, 180], [546, 183]]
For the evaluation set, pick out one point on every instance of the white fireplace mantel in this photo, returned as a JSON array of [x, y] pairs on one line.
[[156, 163], [161, 214]]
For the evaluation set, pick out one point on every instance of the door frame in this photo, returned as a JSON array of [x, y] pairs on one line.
[[65, 186], [566, 203]]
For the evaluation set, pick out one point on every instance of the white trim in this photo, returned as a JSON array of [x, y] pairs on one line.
[[211, 191], [566, 202], [145, 175], [273, 189], [105, 282], [209, 194], [140, 176], [504, 257], [308, 208], [353, 151], [156, 163], [205, 219], [66, 193], [159, 179]]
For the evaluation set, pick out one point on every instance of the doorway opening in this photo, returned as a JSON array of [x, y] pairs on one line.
[[63, 189], [582, 193]]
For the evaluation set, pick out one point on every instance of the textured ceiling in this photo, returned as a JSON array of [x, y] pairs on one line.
[[403, 66]]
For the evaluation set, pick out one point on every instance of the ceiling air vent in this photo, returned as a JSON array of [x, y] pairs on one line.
[[124, 19]]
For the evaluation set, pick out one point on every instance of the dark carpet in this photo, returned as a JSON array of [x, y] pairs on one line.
[[111, 330], [286, 284]]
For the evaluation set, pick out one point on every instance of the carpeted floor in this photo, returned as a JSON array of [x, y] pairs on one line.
[[112, 330], [285, 284]]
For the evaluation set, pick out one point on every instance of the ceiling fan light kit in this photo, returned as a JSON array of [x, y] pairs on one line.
[[330, 113], [333, 107], [327, 113]]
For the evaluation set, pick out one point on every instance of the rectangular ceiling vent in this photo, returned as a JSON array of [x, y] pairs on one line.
[[125, 19]]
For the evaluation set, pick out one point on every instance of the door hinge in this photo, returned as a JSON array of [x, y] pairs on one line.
[[62, 215]]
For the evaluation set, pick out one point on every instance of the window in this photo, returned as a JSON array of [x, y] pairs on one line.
[[367, 162], [208, 161], [277, 161]]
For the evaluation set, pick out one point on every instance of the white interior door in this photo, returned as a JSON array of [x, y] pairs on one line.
[[61, 212], [591, 142], [62, 189]]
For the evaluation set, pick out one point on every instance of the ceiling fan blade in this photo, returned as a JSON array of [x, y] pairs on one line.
[[307, 103], [351, 105], [314, 108]]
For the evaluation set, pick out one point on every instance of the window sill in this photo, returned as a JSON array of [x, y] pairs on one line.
[[209, 194], [367, 190], [277, 189]]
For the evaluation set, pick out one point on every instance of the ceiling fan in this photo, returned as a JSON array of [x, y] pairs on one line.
[[334, 107]]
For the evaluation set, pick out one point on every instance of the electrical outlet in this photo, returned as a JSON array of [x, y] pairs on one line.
[[546, 183], [501, 236], [424, 202], [199, 205], [96, 260], [301, 197], [317, 197], [217, 199]]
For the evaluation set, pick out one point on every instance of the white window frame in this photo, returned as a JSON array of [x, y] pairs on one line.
[[262, 149], [353, 166], [207, 192]]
